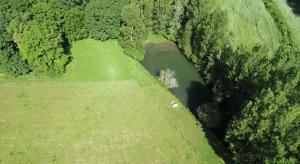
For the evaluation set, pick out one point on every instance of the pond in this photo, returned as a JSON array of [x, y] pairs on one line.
[[295, 5], [164, 55]]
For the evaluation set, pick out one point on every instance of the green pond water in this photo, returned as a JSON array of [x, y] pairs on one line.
[[164, 55]]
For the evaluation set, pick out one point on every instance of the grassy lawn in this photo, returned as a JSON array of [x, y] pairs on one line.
[[292, 17], [250, 23], [105, 109]]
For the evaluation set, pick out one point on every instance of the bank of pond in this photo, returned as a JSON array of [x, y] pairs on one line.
[[191, 89], [163, 55]]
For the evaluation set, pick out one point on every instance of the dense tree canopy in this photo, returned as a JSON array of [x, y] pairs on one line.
[[260, 92], [268, 125], [44, 52], [13, 8], [103, 18], [43, 35], [133, 31], [4, 36], [167, 16], [10, 61], [72, 3]]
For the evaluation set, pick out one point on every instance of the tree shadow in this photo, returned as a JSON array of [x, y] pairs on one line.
[[295, 5], [199, 94], [218, 146], [66, 44]]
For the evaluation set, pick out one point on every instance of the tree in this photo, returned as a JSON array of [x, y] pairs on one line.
[[72, 3], [4, 35], [204, 38], [68, 20], [49, 12], [267, 130], [12, 64], [209, 115], [133, 32], [147, 7], [264, 90], [176, 19], [14, 8], [167, 16], [103, 18], [185, 40], [44, 36], [40, 44], [73, 28], [10, 61], [259, 91]]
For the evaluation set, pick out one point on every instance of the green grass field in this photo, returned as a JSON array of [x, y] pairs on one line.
[[250, 23], [105, 109], [292, 19]]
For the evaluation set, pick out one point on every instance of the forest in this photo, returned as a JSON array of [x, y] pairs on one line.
[[254, 109]]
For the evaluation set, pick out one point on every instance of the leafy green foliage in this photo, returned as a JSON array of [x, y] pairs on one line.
[[44, 37], [267, 130], [4, 35], [73, 26], [148, 6], [265, 90], [167, 17], [44, 52], [14, 8], [162, 17], [103, 18], [72, 3], [259, 89], [204, 38], [133, 32], [12, 64], [209, 114], [68, 20], [10, 61]]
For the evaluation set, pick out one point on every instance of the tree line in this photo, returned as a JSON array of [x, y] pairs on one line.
[[36, 35], [259, 94], [256, 96]]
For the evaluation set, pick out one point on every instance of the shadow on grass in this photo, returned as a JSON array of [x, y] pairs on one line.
[[295, 5], [199, 94], [218, 146]]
